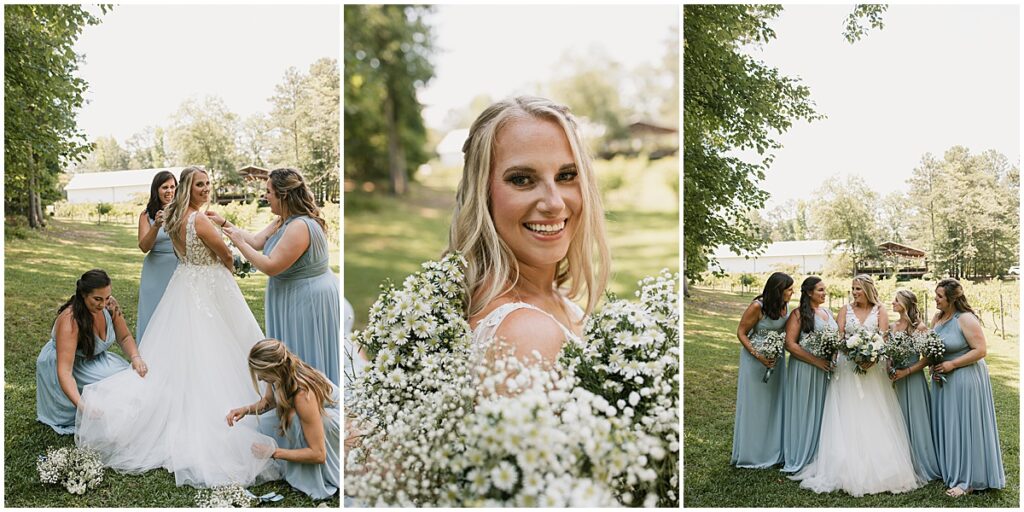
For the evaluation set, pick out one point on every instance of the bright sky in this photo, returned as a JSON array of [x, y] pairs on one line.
[[143, 61], [936, 76], [504, 50]]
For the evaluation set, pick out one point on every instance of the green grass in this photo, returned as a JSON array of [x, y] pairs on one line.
[[711, 355], [388, 238], [40, 272]]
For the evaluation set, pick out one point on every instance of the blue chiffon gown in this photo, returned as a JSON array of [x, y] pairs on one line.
[[806, 386], [53, 407], [757, 431], [303, 303], [964, 419], [916, 404], [157, 268], [318, 481]]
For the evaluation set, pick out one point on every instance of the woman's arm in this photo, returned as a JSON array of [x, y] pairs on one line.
[[793, 343], [125, 340], [67, 344], [308, 413], [211, 237], [258, 240], [975, 337], [293, 243], [265, 403], [841, 320], [747, 322], [883, 319], [147, 233]]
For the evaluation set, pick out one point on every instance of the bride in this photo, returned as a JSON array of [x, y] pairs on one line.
[[863, 446], [197, 344]]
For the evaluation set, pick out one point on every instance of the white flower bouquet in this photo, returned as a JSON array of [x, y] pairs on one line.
[[931, 346], [864, 346], [771, 345], [231, 496], [822, 343], [630, 356], [242, 267], [900, 348], [77, 469]]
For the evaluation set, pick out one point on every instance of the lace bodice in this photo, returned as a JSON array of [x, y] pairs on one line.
[[196, 252], [852, 323], [486, 329]]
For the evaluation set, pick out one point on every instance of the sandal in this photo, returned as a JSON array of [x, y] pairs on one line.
[[956, 492]]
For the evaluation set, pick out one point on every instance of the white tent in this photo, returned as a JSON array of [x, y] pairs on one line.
[[112, 186]]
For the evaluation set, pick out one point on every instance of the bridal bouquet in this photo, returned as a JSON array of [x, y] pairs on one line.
[[77, 469], [771, 345], [931, 346], [437, 426], [864, 346], [243, 267], [629, 356], [822, 343]]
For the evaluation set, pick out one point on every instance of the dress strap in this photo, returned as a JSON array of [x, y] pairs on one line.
[[488, 327]]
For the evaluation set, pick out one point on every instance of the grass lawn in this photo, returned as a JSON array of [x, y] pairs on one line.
[[40, 274], [387, 237], [711, 356]]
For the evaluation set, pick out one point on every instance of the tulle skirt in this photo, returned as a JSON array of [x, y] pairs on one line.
[[863, 446], [197, 345]]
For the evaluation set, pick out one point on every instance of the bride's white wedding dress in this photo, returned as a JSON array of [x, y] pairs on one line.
[[196, 347], [863, 447]]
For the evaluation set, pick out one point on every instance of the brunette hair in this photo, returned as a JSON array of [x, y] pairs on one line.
[[89, 281], [955, 295], [771, 296], [154, 205], [806, 311]]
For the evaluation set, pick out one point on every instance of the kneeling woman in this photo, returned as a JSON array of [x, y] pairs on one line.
[[303, 418], [76, 354]]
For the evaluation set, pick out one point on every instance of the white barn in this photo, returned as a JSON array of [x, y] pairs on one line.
[[449, 150], [810, 257], [112, 186]]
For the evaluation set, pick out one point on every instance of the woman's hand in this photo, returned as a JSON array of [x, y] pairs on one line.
[[113, 307], [944, 367], [159, 219], [237, 414], [865, 366], [768, 363], [139, 366], [823, 364], [215, 217], [898, 374], [235, 235], [263, 451]]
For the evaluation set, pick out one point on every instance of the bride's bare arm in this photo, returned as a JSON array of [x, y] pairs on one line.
[[211, 237]]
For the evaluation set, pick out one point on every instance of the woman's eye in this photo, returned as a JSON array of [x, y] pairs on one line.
[[567, 176], [519, 180]]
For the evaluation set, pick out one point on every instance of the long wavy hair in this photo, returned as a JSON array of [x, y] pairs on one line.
[[270, 361], [771, 295], [806, 310], [492, 268], [868, 284], [174, 214], [295, 196], [908, 300], [955, 295], [154, 205], [89, 281]]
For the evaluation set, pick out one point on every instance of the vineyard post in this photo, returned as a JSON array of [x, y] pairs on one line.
[[1002, 321]]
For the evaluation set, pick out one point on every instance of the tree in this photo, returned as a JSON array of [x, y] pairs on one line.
[[388, 51], [591, 88], [203, 133], [848, 214], [106, 155], [732, 102], [42, 96], [254, 140], [146, 149]]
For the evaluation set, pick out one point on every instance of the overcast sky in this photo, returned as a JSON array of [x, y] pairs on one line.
[[143, 61], [936, 76], [504, 50]]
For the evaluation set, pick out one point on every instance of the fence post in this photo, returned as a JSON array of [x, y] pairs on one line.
[[1002, 321]]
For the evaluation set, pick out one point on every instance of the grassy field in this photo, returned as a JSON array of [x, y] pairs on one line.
[[40, 273], [711, 355], [388, 237]]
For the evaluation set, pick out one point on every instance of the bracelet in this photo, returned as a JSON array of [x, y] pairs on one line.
[[136, 355], [225, 223]]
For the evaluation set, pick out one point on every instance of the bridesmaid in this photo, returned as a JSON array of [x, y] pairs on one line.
[[160, 260], [757, 432], [912, 391], [76, 355], [303, 418], [807, 377], [963, 413], [303, 298]]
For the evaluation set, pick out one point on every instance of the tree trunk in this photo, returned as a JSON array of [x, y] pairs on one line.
[[396, 157]]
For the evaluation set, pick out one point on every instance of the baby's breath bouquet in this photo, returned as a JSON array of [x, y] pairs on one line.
[[900, 349], [864, 346], [771, 345], [231, 496], [931, 346], [629, 355], [822, 343], [77, 469]]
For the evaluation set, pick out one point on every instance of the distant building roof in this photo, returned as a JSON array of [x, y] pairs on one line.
[[109, 179], [453, 141], [776, 249]]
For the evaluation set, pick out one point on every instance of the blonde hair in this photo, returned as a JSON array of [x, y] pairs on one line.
[[870, 293], [295, 196], [175, 212], [270, 357], [492, 269], [908, 300]]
